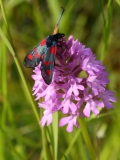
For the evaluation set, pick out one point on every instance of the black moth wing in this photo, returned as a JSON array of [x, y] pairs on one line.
[[47, 66], [34, 57]]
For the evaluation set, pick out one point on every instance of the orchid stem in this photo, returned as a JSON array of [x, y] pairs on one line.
[[87, 138]]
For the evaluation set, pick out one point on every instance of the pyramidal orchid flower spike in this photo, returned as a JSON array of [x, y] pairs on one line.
[[73, 95]]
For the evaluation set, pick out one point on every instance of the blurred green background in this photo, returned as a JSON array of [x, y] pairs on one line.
[[94, 23]]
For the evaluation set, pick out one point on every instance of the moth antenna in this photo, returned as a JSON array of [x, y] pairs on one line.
[[60, 16], [56, 30]]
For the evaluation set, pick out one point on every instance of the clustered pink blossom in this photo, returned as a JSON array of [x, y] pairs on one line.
[[70, 93]]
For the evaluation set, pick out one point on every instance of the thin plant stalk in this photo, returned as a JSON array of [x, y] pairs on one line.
[[87, 138], [46, 148], [107, 27], [12, 51]]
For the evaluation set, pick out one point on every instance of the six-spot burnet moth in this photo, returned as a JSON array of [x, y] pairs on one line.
[[45, 52]]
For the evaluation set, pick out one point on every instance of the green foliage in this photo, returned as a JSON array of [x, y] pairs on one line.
[[95, 24]]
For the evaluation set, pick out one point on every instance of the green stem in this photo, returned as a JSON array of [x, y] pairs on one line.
[[55, 134], [45, 143], [107, 27], [6, 22], [11, 48], [4, 82], [87, 138]]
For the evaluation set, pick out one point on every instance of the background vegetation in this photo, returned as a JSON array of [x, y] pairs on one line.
[[97, 25]]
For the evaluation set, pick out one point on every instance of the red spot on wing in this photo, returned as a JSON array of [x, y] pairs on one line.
[[46, 63], [42, 56], [48, 72], [36, 55], [43, 42], [30, 56], [53, 50], [35, 49]]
